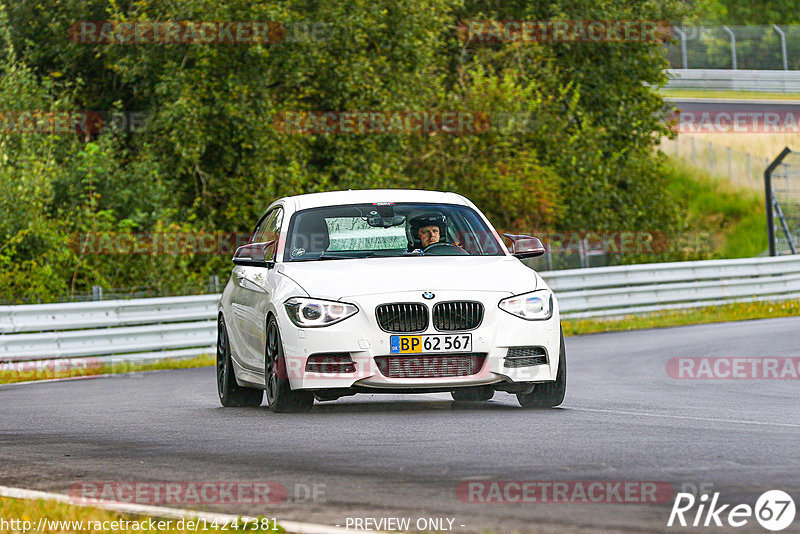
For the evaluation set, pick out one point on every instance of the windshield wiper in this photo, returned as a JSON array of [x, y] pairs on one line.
[[319, 258]]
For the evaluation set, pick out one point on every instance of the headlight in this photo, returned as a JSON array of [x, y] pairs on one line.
[[307, 312], [534, 306]]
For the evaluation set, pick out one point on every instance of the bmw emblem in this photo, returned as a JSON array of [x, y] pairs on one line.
[[428, 295]]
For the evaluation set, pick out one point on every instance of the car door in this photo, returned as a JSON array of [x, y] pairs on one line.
[[251, 292]]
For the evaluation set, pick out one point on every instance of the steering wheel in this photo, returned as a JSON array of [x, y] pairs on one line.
[[444, 249]]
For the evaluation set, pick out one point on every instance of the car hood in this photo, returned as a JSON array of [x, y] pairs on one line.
[[335, 279]]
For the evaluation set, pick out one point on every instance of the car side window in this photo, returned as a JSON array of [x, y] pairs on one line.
[[269, 230], [259, 231]]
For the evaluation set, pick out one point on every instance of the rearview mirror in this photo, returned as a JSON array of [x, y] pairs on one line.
[[255, 254], [525, 246], [385, 222], [382, 216], [377, 220]]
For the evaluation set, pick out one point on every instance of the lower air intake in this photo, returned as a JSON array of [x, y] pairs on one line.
[[430, 366], [330, 363], [525, 357]]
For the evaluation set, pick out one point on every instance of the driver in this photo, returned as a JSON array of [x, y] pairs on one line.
[[429, 235], [425, 230]]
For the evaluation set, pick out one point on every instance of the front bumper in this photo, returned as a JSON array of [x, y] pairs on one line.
[[363, 339]]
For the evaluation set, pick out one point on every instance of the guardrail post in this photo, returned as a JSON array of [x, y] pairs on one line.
[[733, 46], [97, 292], [684, 55], [783, 46], [711, 156], [749, 171], [730, 164], [770, 199], [213, 283]]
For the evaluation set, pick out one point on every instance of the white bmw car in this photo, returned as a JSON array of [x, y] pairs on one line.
[[385, 291]]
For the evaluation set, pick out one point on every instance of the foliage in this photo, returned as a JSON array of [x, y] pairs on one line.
[[210, 158], [751, 12]]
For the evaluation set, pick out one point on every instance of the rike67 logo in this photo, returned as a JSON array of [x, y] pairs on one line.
[[774, 510]]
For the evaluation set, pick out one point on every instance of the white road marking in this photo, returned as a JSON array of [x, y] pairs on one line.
[[685, 417], [88, 377]]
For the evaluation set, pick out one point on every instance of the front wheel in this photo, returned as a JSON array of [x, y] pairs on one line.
[[280, 395], [549, 394], [231, 394]]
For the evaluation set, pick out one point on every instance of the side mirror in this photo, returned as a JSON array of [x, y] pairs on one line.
[[525, 246], [254, 254]]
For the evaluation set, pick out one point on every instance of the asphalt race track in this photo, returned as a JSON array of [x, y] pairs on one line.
[[377, 456], [714, 105]]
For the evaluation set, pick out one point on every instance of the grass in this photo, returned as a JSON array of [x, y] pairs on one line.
[[759, 145], [33, 510], [31, 371], [709, 314], [703, 93], [734, 217]]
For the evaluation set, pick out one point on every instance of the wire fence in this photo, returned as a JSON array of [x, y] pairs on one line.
[[770, 47], [742, 169], [97, 293], [784, 190]]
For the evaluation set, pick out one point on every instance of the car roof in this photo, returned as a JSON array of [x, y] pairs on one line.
[[369, 196]]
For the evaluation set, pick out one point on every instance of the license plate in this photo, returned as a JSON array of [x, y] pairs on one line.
[[435, 343]]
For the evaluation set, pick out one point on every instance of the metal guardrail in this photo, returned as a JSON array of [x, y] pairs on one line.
[[152, 328], [71, 315], [770, 81], [633, 289], [160, 328]]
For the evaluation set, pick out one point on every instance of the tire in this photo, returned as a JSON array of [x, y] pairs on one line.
[[473, 394], [549, 394], [280, 396], [230, 393]]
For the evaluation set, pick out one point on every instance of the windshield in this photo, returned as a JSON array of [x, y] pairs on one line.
[[387, 230]]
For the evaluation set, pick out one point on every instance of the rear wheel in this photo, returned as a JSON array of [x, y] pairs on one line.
[[548, 394], [473, 394], [230, 393], [280, 396]]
